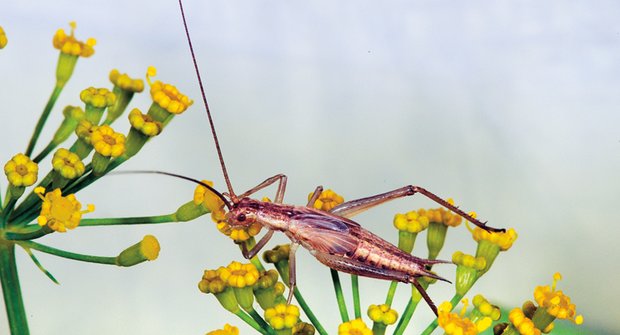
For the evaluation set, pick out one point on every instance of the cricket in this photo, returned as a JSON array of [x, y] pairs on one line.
[[331, 237]]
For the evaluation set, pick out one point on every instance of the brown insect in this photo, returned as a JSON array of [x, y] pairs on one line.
[[331, 237]]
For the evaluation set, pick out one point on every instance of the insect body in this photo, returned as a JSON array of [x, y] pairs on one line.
[[331, 237]]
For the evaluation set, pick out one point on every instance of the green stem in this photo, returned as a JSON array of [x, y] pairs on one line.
[[46, 112], [355, 286], [433, 325], [390, 295], [247, 319], [29, 232], [13, 302], [344, 315], [259, 319], [406, 317], [378, 328], [304, 306], [67, 254], [128, 221], [50, 146]]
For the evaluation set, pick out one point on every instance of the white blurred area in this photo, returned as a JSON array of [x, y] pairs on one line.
[[509, 108]]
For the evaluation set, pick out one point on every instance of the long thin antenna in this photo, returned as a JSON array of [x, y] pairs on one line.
[[233, 196], [210, 188]]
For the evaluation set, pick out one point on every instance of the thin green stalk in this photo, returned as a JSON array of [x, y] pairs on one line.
[[433, 325], [304, 306], [247, 319], [67, 254], [344, 315], [13, 302], [50, 146], [355, 286], [43, 118], [259, 319], [167, 218], [406, 317], [390, 295]]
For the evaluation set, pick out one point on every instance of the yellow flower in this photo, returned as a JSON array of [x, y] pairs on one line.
[[382, 314], [211, 282], [484, 307], [327, 200], [84, 130], [228, 330], [477, 263], [455, 324], [210, 200], [98, 97], [441, 215], [556, 302], [70, 45], [282, 316], [21, 171], [107, 142], [3, 39], [354, 327], [167, 96], [145, 250], [67, 164], [503, 240], [144, 123], [60, 213], [412, 221], [124, 82], [523, 324], [239, 275]]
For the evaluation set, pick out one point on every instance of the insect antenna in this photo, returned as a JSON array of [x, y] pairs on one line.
[[233, 196], [170, 174]]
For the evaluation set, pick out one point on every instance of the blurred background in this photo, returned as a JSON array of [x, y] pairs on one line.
[[509, 108]]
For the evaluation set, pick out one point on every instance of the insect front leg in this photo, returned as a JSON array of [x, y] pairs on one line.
[[354, 207], [261, 243], [317, 193], [279, 193]]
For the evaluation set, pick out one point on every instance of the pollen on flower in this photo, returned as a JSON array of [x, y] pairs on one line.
[[126, 83], [107, 142], [239, 275], [67, 164], [382, 314], [167, 96], [149, 247], [354, 327], [412, 222], [144, 123], [98, 97], [327, 200], [60, 212], [282, 316], [227, 330], [21, 171], [453, 323], [68, 44], [3, 39], [556, 302], [503, 240], [210, 200]]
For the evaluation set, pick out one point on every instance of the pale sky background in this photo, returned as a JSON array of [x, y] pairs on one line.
[[510, 108]]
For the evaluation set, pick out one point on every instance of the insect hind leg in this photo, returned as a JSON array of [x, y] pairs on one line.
[[351, 208]]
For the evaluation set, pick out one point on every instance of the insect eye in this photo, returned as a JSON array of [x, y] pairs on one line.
[[241, 217]]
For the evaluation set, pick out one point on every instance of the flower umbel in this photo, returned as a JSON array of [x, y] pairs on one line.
[[145, 250], [327, 200], [167, 96], [455, 324], [282, 316], [67, 164], [3, 39], [556, 302], [107, 142], [59, 212]]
